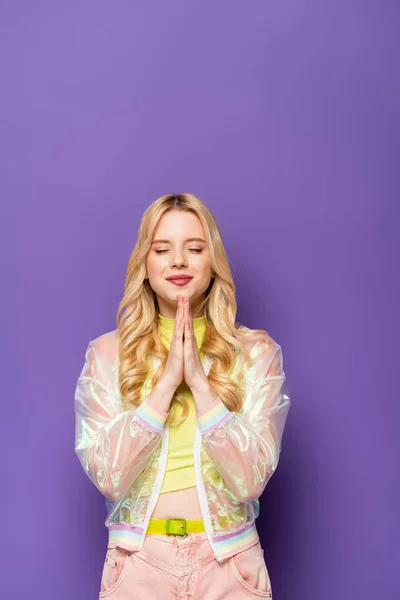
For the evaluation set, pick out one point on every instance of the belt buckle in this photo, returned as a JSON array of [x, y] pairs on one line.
[[180, 525]]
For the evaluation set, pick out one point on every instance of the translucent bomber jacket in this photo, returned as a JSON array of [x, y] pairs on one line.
[[124, 453]]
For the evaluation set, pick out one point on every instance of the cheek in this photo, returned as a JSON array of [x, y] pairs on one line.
[[204, 275], [205, 268], [155, 266], [202, 264]]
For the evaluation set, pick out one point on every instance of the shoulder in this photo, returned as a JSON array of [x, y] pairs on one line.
[[265, 354], [258, 339], [106, 345]]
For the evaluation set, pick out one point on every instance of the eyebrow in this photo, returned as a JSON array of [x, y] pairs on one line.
[[193, 239]]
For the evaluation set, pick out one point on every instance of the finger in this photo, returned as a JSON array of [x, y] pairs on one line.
[[189, 324], [189, 315], [183, 314], [176, 316], [181, 317], [186, 317], [176, 325], [178, 322]]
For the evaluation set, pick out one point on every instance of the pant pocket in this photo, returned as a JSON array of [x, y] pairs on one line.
[[115, 565], [251, 571]]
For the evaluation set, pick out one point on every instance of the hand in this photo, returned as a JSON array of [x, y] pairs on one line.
[[193, 368], [173, 370]]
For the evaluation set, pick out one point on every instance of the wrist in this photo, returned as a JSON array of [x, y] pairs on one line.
[[201, 386], [166, 385]]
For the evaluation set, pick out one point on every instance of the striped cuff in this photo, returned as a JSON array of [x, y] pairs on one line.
[[153, 418], [213, 417]]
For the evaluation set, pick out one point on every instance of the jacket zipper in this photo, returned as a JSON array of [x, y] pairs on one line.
[[158, 481], [201, 490]]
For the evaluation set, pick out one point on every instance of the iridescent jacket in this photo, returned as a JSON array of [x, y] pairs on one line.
[[124, 452]]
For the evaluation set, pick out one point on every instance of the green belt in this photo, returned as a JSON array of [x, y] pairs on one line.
[[177, 526]]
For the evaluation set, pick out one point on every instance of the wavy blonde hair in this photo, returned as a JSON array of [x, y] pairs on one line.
[[138, 323]]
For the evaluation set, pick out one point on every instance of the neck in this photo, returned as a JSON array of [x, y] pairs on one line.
[[169, 322]]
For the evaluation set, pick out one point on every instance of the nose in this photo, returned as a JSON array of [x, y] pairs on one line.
[[178, 260]]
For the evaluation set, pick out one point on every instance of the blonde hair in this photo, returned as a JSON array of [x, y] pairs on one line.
[[137, 315]]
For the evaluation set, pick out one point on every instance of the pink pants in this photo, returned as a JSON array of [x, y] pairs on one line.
[[184, 569]]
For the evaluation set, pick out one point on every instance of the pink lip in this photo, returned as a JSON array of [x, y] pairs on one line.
[[179, 280], [179, 277]]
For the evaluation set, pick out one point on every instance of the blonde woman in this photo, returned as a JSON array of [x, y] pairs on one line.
[[180, 413]]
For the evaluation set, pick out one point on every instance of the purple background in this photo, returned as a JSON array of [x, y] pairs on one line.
[[284, 118]]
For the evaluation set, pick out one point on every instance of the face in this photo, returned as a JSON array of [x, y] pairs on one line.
[[174, 252]]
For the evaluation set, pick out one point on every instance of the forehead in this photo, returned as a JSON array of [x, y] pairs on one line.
[[178, 224]]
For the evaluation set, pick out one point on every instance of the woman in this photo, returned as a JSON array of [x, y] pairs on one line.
[[180, 413]]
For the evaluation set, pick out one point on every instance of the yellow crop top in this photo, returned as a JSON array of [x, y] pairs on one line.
[[179, 473]]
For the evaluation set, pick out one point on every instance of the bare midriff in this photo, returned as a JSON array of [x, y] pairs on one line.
[[183, 504]]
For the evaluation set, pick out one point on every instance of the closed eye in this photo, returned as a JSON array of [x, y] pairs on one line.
[[198, 250]]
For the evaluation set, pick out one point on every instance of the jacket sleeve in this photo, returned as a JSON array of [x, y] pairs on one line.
[[113, 446], [245, 445]]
